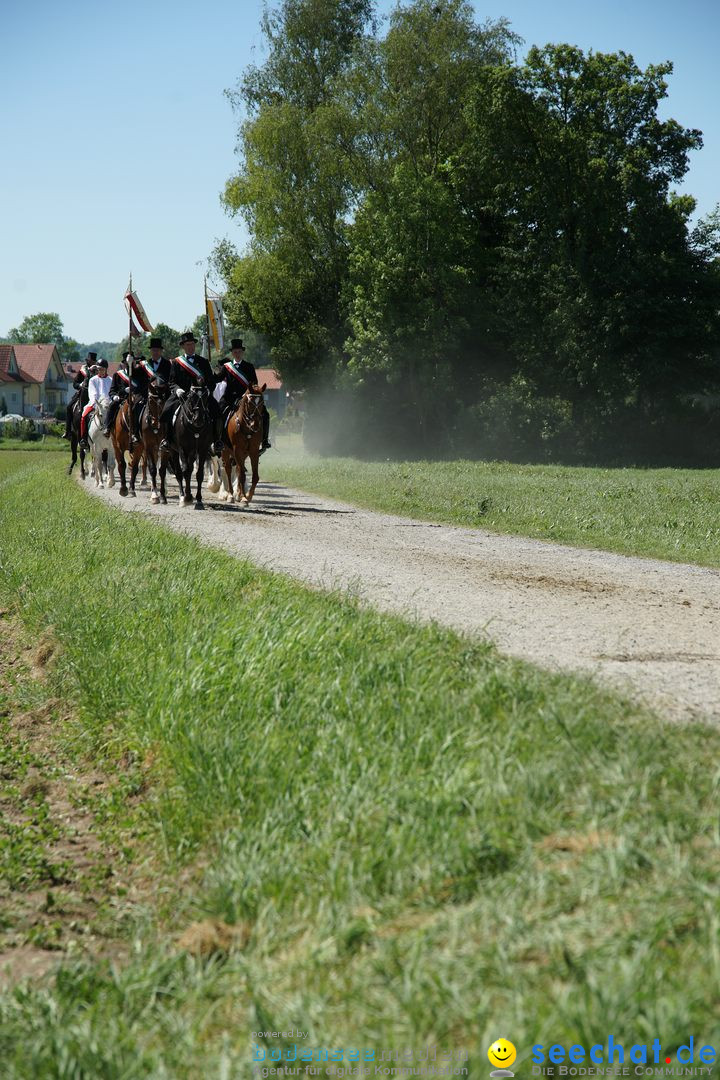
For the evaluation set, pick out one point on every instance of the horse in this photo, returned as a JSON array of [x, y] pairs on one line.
[[150, 435], [100, 446], [121, 435], [75, 440], [244, 432], [193, 431]]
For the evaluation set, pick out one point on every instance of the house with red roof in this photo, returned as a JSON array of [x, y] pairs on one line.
[[274, 394], [32, 379], [12, 383], [41, 367]]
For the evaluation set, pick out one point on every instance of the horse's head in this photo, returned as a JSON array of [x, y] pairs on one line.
[[101, 409], [196, 406], [155, 402], [252, 407]]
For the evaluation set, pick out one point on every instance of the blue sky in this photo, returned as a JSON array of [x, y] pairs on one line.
[[117, 138]]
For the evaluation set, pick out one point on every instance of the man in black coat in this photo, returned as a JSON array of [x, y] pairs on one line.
[[159, 364], [122, 385], [185, 372], [80, 386], [239, 374], [154, 372]]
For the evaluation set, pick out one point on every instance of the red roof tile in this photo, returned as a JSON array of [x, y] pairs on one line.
[[6, 352], [34, 360], [267, 375]]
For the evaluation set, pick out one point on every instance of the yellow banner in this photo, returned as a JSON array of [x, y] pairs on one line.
[[215, 318]]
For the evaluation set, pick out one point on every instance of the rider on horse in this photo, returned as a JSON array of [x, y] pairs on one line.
[[159, 364], [148, 373], [98, 387], [80, 386], [122, 384], [185, 372], [240, 375]]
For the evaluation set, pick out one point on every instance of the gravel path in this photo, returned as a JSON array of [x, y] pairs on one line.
[[650, 627]]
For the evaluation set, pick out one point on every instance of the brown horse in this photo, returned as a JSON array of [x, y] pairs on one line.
[[244, 433], [150, 435], [121, 439]]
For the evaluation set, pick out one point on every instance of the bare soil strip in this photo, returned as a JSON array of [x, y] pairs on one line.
[[63, 888], [649, 628]]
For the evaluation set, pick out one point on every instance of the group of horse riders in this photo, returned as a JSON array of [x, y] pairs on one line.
[[174, 378]]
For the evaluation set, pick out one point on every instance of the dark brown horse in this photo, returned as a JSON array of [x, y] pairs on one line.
[[244, 433], [75, 440], [151, 436], [121, 435], [192, 430]]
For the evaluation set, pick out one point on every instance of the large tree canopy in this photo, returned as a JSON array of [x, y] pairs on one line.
[[435, 224], [45, 328]]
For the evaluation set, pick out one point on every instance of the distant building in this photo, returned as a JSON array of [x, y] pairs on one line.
[[32, 379], [12, 384], [274, 394]]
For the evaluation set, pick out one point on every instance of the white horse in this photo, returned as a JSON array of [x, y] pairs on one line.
[[100, 446], [213, 465]]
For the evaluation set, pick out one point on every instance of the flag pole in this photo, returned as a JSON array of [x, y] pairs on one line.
[[130, 371], [130, 320], [207, 326]]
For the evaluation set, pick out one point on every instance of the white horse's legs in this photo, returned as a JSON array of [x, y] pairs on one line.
[[214, 484]]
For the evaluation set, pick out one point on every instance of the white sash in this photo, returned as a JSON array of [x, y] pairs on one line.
[[184, 362], [238, 374]]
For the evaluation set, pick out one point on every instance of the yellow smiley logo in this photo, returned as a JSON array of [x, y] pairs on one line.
[[502, 1054]]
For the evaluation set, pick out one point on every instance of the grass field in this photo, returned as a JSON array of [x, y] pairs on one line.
[[49, 443], [425, 843], [661, 513]]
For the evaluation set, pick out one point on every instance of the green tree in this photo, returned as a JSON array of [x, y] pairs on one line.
[[598, 280], [292, 188], [418, 301], [45, 328]]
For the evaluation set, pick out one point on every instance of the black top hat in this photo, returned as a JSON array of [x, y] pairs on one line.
[[189, 336], [125, 355], [102, 363], [92, 356], [140, 357], [236, 343], [156, 343]]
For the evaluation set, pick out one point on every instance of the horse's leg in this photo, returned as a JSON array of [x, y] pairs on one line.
[[150, 457], [163, 474], [83, 473], [240, 488], [120, 458], [134, 466], [96, 464], [111, 466], [186, 485], [254, 458], [226, 476], [214, 484], [199, 478], [73, 452]]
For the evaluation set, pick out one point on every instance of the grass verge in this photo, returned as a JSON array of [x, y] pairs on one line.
[[49, 442], [424, 843], [659, 513]]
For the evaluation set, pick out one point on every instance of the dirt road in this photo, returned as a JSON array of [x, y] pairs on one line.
[[650, 627]]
